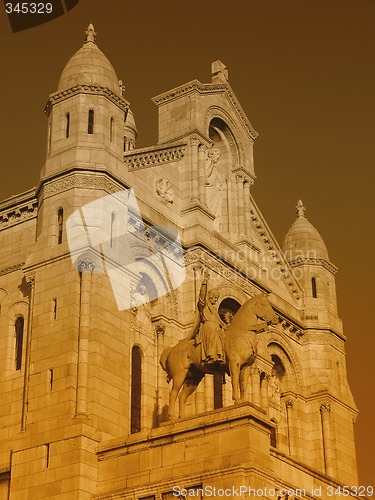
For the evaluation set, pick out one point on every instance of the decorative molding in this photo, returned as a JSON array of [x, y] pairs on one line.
[[327, 265], [11, 269], [80, 180], [18, 214], [85, 89], [278, 259], [199, 256], [208, 88], [136, 161], [324, 338]]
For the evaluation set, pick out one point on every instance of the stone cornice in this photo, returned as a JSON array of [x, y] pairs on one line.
[[85, 89], [145, 159], [207, 88], [322, 262], [16, 213], [11, 269], [279, 260], [191, 134], [80, 179], [225, 269]]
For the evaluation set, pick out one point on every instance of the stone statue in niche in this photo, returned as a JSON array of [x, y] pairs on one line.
[[213, 182], [141, 305], [164, 189], [274, 389]]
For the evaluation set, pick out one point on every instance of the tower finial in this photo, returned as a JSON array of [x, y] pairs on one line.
[[300, 209], [90, 34]]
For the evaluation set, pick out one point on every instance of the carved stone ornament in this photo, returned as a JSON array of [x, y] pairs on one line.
[[86, 265], [160, 329], [325, 407], [164, 189], [147, 159]]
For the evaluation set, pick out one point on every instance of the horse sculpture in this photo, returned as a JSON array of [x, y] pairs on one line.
[[183, 362]]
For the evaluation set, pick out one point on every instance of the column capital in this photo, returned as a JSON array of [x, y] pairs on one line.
[[159, 329], [86, 264], [325, 407], [30, 279], [202, 148], [289, 403], [194, 141]]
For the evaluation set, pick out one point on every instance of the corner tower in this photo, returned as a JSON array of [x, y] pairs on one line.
[[307, 254], [87, 114]]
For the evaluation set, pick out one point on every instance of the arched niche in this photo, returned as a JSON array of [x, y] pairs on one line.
[[224, 141], [283, 369], [228, 308]]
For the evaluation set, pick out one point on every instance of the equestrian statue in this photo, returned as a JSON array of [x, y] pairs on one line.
[[216, 346]]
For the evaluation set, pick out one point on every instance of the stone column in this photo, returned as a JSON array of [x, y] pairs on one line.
[[162, 389], [85, 268], [264, 391], [246, 189], [289, 408], [325, 411], [197, 270], [240, 204], [200, 399], [202, 151], [194, 143], [26, 380], [209, 392], [255, 386]]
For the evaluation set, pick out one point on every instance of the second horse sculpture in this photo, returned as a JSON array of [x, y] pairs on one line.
[[183, 362]]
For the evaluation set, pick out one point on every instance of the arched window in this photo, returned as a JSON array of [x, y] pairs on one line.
[[90, 128], [111, 128], [60, 225], [136, 384], [67, 125], [313, 288], [19, 341], [218, 390]]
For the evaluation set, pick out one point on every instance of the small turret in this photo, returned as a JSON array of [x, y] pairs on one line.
[[88, 114], [307, 254]]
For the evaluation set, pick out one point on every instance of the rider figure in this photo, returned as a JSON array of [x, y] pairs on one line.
[[212, 327]]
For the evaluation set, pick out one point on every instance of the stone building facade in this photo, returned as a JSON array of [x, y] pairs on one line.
[[84, 399]]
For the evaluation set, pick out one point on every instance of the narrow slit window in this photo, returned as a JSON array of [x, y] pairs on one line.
[[90, 129], [313, 287], [19, 341], [113, 226], [67, 125], [136, 392], [47, 455], [49, 138], [54, 308], [111, 129], [60, 225], [50, 373]]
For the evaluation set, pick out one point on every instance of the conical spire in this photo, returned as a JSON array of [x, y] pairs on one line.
[[90, 33]]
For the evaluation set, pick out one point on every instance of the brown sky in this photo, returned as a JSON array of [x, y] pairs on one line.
[[304, 73]]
